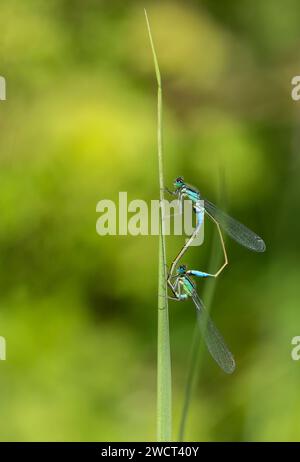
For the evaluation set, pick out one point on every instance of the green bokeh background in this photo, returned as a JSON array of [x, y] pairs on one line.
[[78, 311]]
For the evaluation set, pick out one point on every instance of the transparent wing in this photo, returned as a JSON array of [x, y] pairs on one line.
[[213, 339], [235, 229]]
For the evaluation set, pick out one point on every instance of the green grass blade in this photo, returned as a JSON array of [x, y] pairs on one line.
[[164, 385]]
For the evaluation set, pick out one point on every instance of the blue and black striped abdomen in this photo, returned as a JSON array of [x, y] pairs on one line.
[[191, 193]]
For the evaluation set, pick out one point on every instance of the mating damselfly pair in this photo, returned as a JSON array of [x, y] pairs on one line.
[[180, 280]]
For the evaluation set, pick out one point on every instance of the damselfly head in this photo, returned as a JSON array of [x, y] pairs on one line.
[[179, 182], [181, 269]]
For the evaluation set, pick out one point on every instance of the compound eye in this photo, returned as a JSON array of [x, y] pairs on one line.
[[179, 179]]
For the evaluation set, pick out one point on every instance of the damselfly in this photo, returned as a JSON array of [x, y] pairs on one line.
[[183, 288]]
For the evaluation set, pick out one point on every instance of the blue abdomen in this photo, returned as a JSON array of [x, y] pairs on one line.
[[199, 274]]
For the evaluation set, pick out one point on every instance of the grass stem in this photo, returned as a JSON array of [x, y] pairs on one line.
[[164, 385]]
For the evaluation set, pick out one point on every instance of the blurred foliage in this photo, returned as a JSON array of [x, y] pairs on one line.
[[79, 311]]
